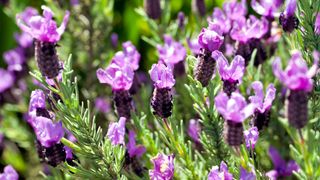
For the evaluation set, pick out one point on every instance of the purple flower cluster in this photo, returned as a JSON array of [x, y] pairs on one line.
[[220, 173], [251, 137], [9, 173], [116, 131], [163, 167]]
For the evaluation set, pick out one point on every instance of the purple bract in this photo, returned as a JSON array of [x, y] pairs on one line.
[[15, 59], [116, 131], [171, 52], [133, 149], [162, 76], [263, 103], [163, 167], [210, 39], [251, 137], [222, 173], [267, 8], [245, 175]]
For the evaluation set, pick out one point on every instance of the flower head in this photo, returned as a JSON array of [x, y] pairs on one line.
[[263, 103], [9, 173], [233, 72], [210, 39], [116, 131], [133, 149], [6, 80], [163, 167], [48, 132], [296, 76], [27, 14], [118, 77], [129, 56], [43, 28], [317, 24], [222, 173], [267, 8], [15, 59], [281, 167], [194, 130], [251, 137], [234, 108], [234, 9], [102, 105], [171, 52], [162, 76], [244, 30], [220, 19], [245, 175]]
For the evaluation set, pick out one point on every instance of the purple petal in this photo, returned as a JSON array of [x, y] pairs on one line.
[[9, 173], [291, 6], [6, 80], [270, 96], [244, 175], [272, 175], [116, 132], [277, 160]]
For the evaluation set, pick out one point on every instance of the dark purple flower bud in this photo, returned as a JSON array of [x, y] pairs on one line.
[[287, 19], [205, 67], [297, 108], [41, 150], [55, 154], [217, 173], [116, 131], [161, 101], [317, 25], [163, 167], [153, 9], [114, 40], [200, 7], [281, 167], [123, 103], [181, 20], [9, 173]]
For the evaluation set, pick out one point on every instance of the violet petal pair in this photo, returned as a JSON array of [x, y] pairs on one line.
[[251, 137], [162, 76], [43, 28], [263, 102], [267, 8], [171, 52], [129, 56], [116, 131]]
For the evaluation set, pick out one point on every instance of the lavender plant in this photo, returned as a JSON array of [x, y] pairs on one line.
[[193, 96]]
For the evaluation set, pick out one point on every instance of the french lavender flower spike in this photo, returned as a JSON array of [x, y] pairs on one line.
[[234, 110], [262, 113], [209, 41], [287, 19], [163, 79], [251, 137], [116, 131], [232, 74], [298, 79], [49, 135], [46, 34], [153, 8], [120, 79], [163, 167], [222, 173]]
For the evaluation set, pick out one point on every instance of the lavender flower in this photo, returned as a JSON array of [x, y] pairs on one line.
[[152, 8], [251, 137], [231, 74], [317, 25], [46, 34], [222, 173], [102, 105], [245, 175], [281, 167], [133, 149], [234, 9], [163, 80], [219, 18], [287, 19], [163, 167], [298, 79], [194, 46], [209, 41], [194, 130], [48, 132], [120, 79], [116, 131], [15, 59], [6, 80], [267, 8], [234, 110], [262, 113], [43, 28], [172, 52], [9, 173]]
